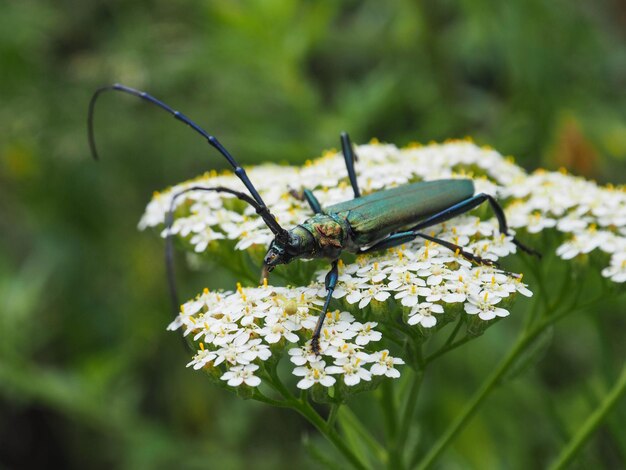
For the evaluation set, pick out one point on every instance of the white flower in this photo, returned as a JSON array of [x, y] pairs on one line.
[[423, 314], [384, 364], [302, 355], [573, 223], [202, 358], [373, 273], [501, 246], [498, 288], [434, 293], [236, 352], [434, 273], [277, 327], [378, 292], [408, 294], [533, 222], [617, 270], [460, 284], [242, 375], [202, 239], [365, 333], [312, 373], [256, 350], [352, 370], [583, 242], [522, 288], [346, 286], [347, 350], [485, 307]]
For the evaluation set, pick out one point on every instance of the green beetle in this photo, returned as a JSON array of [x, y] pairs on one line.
[[365, 224]]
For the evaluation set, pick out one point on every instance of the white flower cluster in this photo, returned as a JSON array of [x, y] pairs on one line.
[[594, 217], [426, 278], [238, 331]]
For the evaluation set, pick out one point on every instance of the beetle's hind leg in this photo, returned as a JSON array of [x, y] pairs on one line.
[[466, 206], [399, 238]]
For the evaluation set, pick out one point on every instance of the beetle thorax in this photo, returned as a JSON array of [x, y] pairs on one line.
[[328, 233]]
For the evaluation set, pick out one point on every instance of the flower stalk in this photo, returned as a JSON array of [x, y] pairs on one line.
[[591, 424]]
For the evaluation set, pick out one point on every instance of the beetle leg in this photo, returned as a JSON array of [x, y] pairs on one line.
[[308, 196], [467, 205], [404, 237], [330, 282], [312, 200], [458, 249], [296, 195], [395, 239], [350, 157], [314, 204]]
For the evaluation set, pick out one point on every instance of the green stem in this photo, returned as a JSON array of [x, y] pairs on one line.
[[258, 396], [388, 404], [278, 385], [592, 423], [555, 317], [525, 338], [409, 411], [472, 406], [456, 330], [303, 407], [306, 410], [563, 293], [538, 274], [332, 415], [348, 419], [448, 347]]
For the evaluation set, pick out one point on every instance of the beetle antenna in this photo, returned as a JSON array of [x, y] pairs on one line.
[[169, 246], [261, 208]]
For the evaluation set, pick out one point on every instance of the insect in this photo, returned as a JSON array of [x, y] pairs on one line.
[[365, 224]]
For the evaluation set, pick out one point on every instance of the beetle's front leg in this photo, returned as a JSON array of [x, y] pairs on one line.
[[330, 282]]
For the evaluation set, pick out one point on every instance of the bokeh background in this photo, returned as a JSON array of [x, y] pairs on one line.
[[88, 375]]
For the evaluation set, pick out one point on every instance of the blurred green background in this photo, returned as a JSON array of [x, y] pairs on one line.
[[88, 375]]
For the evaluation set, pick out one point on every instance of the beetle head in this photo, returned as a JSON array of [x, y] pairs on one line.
[[298, 244], [279, 252], [283, 251], [276, 254]]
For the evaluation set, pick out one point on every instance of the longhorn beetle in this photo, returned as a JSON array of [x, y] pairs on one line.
[[365, 224]]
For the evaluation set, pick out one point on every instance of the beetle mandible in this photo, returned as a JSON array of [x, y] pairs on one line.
[[365, 224]]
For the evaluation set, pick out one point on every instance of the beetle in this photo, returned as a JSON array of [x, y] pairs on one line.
[[365, 224]]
